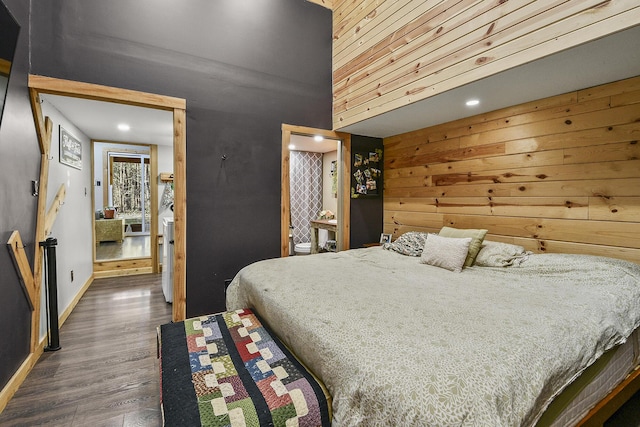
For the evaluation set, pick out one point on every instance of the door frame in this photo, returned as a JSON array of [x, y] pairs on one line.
[[344, 172], [40, 84]]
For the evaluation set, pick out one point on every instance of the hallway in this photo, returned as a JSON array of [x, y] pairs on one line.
[[106, 373]]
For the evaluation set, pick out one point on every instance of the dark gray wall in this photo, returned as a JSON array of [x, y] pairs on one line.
[[19, 164], [366, 213], [9, 31], [244, 67]]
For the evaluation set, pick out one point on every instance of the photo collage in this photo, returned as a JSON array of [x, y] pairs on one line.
[[366, 177]]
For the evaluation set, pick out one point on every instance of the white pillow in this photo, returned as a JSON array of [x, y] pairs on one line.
[[446, 252], [477, 236], [498, 254]]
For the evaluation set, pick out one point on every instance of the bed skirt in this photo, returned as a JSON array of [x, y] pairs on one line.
[[229, 369]]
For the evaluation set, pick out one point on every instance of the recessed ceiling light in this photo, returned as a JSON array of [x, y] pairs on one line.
[[292, 147], [124, 127], [318, 138], [472, 102]]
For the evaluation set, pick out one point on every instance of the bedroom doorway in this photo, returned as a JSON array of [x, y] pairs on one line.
[[289, 134], [177, 107]]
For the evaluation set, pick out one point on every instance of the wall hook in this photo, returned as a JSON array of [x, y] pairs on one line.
[[224, 157]]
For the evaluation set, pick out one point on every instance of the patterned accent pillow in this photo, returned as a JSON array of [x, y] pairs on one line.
[[410, 243], [446, 252], [477, 236]]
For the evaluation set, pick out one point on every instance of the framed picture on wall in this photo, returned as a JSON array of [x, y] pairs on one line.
[[70, 149], [385, 238]]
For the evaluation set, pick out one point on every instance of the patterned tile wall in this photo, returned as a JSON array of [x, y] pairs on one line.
[[306, 192]]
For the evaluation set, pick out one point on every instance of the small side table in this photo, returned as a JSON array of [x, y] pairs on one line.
[[316, 224]]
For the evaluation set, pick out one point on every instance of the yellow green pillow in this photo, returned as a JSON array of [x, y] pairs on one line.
[[477, 236]]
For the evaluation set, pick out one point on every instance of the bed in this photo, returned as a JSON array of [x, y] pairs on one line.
[[399, 342]]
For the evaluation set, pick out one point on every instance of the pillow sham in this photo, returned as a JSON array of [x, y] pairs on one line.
[[410, 243], [476, 235], [498, 254], [446, 252]]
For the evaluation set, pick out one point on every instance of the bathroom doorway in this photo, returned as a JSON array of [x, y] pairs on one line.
[[295, 140], [313, 192]]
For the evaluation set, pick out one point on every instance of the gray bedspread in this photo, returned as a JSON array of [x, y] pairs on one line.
[[397, 342]]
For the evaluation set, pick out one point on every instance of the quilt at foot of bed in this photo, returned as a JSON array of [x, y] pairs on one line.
[[227, 369]]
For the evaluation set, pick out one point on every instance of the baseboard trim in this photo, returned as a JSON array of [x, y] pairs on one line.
[[122, 272], [65, 314], [122, 267]]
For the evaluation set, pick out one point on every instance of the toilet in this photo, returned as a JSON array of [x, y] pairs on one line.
[[302, 248]]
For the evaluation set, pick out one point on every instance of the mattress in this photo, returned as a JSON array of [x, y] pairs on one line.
[[401, 343], [575, 402]]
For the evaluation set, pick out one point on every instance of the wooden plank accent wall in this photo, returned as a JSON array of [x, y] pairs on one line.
[[561, 174], [390, 53]]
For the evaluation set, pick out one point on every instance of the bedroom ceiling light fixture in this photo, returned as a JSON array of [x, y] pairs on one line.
[[124, 127], [318, 138], [472, 102]]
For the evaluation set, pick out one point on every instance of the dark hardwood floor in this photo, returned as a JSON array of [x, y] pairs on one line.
[[106, 373]]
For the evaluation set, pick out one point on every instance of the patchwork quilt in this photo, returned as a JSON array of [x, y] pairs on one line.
[[227, 369]]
